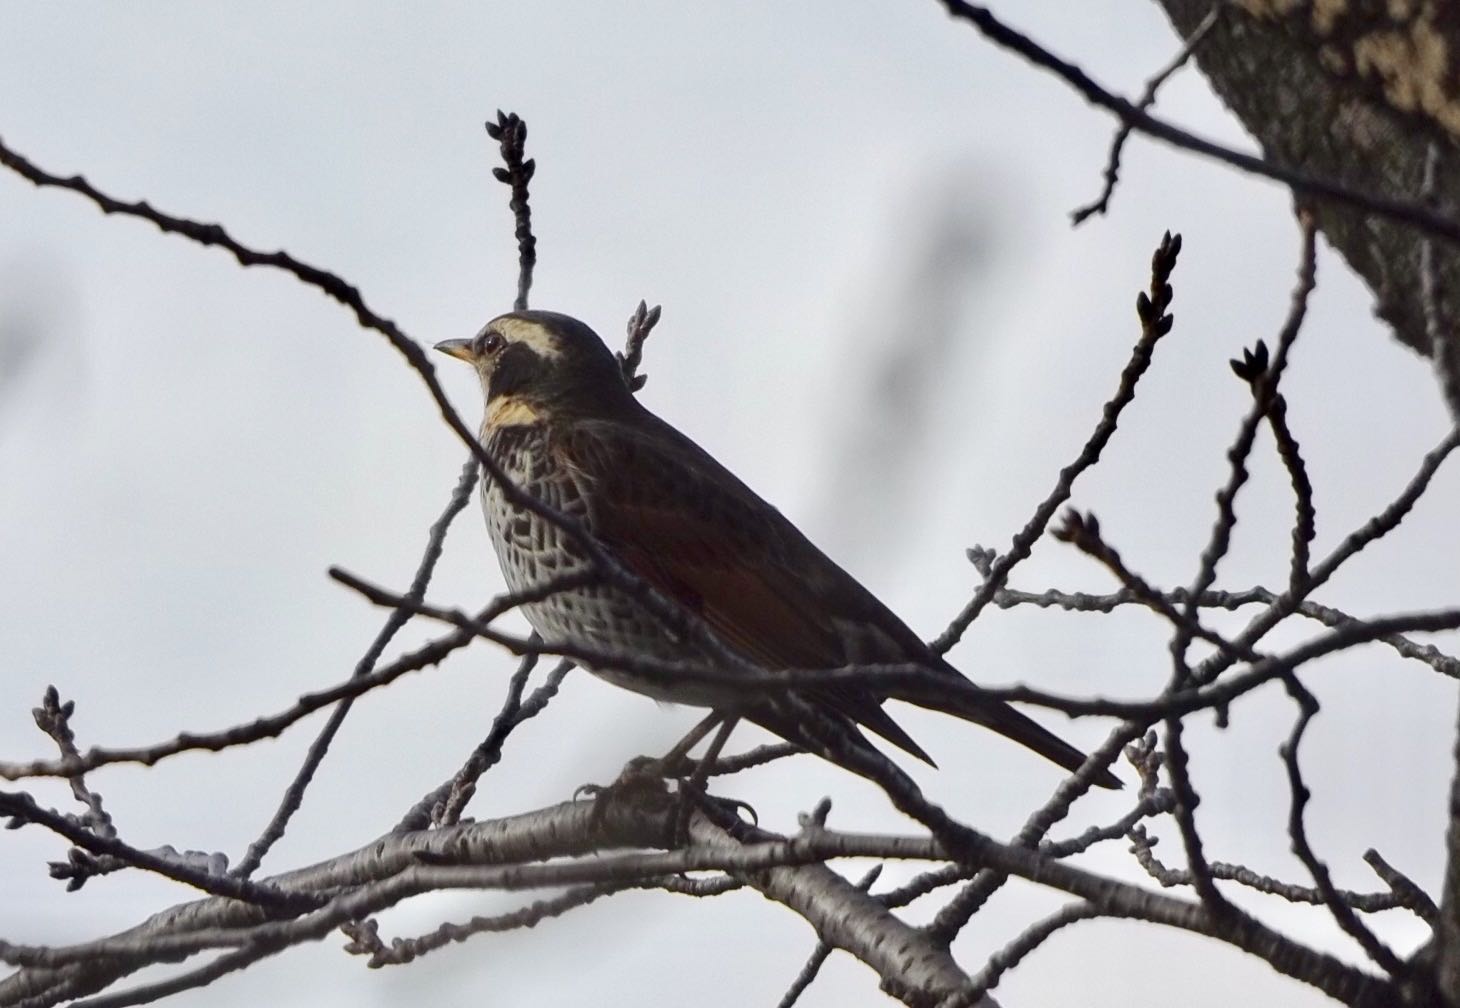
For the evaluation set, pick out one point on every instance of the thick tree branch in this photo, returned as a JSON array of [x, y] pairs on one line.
[[1348, 97], [1398, 210]]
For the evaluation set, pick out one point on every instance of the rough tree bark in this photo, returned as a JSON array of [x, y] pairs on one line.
[[1355, 91]]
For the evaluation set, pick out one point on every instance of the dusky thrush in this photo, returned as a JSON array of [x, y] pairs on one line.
[[563, 425]]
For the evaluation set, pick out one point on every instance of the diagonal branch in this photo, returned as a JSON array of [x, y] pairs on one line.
[[1001, 34], [674, 617], [270, 726], [1155, 323], [23, 808], [294, 794], [1111, 175]]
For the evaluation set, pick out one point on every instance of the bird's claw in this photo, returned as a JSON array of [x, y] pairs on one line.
[[639, 779], [692, 796]]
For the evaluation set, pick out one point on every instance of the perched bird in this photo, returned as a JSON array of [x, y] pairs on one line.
[[564, 426]]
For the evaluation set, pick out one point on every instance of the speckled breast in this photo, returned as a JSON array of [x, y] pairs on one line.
[[533, 551]]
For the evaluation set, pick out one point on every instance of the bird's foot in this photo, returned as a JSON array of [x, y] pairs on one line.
[[691, 796], [640, 779], [643, 780]]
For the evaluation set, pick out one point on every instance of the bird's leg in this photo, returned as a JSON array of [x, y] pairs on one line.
[[647, 773], [657, 767], [668, 764], [693, 789]]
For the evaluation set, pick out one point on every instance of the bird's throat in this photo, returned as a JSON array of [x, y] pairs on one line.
[[510, 411]]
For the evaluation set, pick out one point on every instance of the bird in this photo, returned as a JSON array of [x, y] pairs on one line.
[[563, 425]]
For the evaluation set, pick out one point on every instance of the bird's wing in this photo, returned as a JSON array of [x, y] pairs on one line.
[[680, 520]]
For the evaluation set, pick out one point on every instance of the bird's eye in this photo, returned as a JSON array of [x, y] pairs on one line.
[[488, 343]]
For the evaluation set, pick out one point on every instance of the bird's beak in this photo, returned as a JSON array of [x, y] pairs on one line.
[[458, 348]]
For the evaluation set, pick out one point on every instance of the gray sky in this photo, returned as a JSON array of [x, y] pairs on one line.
[[855, 216]]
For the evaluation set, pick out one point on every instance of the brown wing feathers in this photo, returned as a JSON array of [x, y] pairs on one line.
[[691, 529]]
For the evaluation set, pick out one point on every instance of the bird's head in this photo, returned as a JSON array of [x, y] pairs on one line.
[[532, 363]]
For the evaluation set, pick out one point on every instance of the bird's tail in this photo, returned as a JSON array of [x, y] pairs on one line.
[[1007, 721]]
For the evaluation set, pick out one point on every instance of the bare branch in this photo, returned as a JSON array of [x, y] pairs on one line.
[[510, 132], [366, 939], [1371, 531], [1001, 34], [485, 756], [759, 756], [1447, 935], [294, 794], [1013, 953], [1303, 848], [969, 846], [24, 808], [1251, 369], [820, 954], [54, 718], [641, 323], [1083, 532], [1143, 848], [912, 679], [1404, 889], [268, 727], [1265, 386], [1147, 99], [1009, 598], [1155, 323]]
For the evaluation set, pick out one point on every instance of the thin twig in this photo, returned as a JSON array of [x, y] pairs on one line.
[[961, 909], [1001, 34], [1015, 951], [1009, 598], [1111, 174], [230, 962], [1371, 531], [1143, 848], [759, 756], [54, 718], [1303, 848], [24, 808], [1251, 369], [366, 938], [513, 713], [1404, 888], [641, 323], [911, 679], [429, 654], [1155, 323], [510, 132], [294, 794], [1447, 930], [1265, 386], [1149, 806], [1082, 530]]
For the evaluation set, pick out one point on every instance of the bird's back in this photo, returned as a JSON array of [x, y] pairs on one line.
[[676, 518]]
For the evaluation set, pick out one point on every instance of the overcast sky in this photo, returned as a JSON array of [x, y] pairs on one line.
[[875, 312]]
